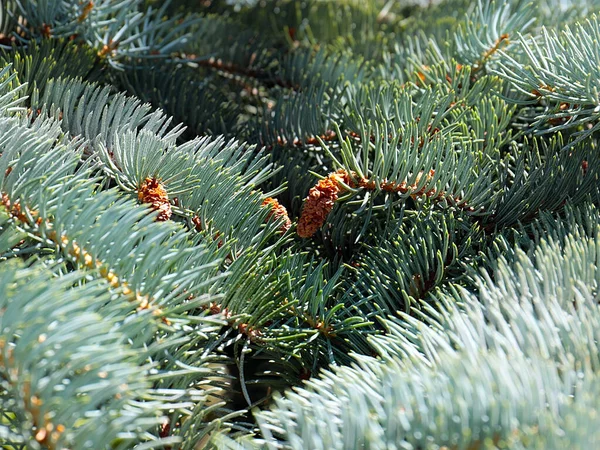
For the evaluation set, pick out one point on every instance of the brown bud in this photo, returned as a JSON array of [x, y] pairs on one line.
[[153, 192]]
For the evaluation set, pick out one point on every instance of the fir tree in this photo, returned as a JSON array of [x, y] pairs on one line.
[[299, 225]]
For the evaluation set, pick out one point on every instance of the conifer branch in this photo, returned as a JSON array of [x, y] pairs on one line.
[[321, 198], [459, 224], [502, 40], [34, 221], [265, 78], [450, 345], [47, 433], [34, 324]]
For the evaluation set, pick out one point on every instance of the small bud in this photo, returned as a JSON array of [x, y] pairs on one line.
[[279, 212], [320, 202], [153, 192]]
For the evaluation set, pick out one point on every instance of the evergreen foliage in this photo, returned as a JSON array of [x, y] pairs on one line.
[[299, 225]]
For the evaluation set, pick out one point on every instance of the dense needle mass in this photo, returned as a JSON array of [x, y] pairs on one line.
[[318, 224]]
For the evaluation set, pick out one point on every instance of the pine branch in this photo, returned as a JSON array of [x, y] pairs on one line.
[[491, 27], [476, 342], [32, 219], [74, 231], [546, 177], [118, 31], [557, 71], [45, 390], [427, 252], [404, 179], [454, 258], [264, 77]]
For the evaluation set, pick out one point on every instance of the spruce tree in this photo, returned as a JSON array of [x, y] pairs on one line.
[[351, 224]]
